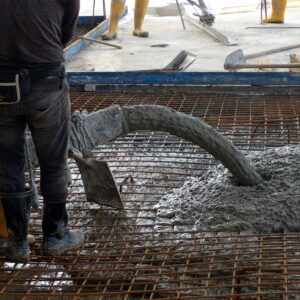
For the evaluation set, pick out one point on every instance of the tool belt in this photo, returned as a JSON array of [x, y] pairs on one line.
[[15, 83]]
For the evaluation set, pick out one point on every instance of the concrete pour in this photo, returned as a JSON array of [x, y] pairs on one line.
[[214, 201]]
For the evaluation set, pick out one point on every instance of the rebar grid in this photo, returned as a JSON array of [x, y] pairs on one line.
[[131, 255]]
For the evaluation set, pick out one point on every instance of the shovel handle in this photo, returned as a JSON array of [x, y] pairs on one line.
[[271, 51], [261, 66]]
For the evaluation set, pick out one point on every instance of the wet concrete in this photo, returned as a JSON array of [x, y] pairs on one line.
[[214, 201]]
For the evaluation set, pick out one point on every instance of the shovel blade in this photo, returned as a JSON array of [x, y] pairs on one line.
[[99, 183], [235, 58], [181, 62]]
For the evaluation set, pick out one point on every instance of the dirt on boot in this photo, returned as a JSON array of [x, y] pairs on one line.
[[71, 240]]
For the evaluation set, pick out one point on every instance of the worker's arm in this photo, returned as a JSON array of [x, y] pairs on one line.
[[70, 20]]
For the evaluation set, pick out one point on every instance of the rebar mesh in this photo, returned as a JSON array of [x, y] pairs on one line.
[[131, 255]]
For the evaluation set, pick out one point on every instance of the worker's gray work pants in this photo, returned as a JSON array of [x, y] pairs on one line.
[[46, 111]]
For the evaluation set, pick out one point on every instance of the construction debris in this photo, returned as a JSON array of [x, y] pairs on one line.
[[204, 13], [208, 27], [100, 42], [179, 63]]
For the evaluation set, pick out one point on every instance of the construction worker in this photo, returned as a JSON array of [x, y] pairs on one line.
[[34, 93], [117, 7], [278, 11]]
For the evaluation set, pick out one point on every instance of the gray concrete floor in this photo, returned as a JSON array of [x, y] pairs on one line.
[[137, 53]]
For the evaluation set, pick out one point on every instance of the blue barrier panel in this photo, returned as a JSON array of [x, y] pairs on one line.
[[89, 20], [184, 78]]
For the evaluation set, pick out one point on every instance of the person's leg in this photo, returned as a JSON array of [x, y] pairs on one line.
[[57, 238], [278, 11], [139, 14], [49, 121], [12, 155], [15, 202], [17, 212], [116, 9]]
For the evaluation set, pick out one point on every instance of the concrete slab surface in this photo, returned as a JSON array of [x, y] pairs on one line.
[[166, 28]]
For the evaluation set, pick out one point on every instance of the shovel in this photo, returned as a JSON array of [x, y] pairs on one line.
[[99, 183], [236, 60], [179, 63]]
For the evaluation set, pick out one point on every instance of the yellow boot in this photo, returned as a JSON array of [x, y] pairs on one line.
[[139, 14], [116, 9], [278, 10]]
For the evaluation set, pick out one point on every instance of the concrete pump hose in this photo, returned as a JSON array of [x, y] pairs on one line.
[[155, 117]]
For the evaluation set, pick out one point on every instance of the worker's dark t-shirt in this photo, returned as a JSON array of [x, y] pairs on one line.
[[33, 32]]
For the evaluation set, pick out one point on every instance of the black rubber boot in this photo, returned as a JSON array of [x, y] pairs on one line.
[[57, 237], [17, 212]]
